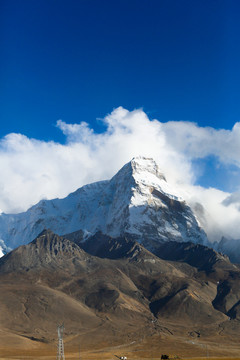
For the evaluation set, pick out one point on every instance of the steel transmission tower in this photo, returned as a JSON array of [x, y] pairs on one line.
[[60, 353]]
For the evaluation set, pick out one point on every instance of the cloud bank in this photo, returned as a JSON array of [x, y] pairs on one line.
[[34, 169]]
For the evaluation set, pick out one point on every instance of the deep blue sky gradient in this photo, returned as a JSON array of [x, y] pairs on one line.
[[76, 60]]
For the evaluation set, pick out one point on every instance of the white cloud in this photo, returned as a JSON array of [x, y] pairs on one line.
[[34, 169], [233, 199], [197, 142], [217, 219]]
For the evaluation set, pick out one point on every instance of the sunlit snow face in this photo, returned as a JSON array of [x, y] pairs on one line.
[[35, 169]]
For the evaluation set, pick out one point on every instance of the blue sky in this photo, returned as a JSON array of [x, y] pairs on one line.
[[177, 60], [77, 60]]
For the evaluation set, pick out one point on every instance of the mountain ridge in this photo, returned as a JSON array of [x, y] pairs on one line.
[[53, 279]]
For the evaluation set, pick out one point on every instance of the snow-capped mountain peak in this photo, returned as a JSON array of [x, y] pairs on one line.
[[137, 201]]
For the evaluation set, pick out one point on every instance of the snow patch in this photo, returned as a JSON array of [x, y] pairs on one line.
[[3, 248]]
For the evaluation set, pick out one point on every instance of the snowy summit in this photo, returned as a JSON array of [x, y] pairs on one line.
[[137, 201]]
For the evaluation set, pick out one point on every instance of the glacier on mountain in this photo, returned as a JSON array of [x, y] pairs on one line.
[[137, 201]]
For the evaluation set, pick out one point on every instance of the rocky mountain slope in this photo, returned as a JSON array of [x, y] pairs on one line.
[[122, 294], [137, 201]]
